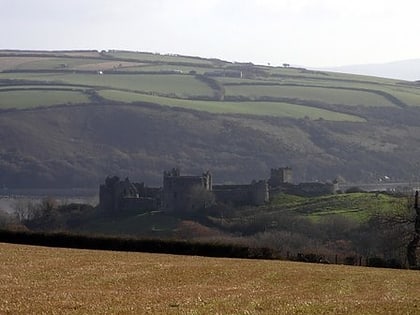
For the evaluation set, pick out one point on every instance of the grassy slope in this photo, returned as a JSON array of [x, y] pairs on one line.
[[275, 109], [93, 282], [356, 206], [139, 225], [28, 99], [313, 122], [181, 86], [327, 88], [334, 96]]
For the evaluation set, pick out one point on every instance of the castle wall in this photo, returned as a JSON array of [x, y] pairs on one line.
[[260, 192], [237, 195], [305, 189], [106, 198], [145, 204], [254, 194], [117, 196]]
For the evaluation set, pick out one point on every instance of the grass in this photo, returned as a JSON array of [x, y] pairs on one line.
[[41, 87], [180, 85], [57, 281], [276, 109], [323, 75], [311, 86], [135, 225], [55, 63], [51, 53], [7, 63], [327, 94], [157, 58], [408, 96], [356, 206], [51, 63], [34, 98], [153, 67]]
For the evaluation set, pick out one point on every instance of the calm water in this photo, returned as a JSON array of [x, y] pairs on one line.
[[10, 197]]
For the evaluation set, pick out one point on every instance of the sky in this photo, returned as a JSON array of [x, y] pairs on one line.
[[310, 33]]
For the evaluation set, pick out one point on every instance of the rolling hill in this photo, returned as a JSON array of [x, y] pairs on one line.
[[401, 70], [70, 118]]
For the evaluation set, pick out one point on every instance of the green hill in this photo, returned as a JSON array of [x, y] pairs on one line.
[[69, 118]]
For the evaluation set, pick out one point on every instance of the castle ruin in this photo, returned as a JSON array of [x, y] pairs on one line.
[[183, 193]]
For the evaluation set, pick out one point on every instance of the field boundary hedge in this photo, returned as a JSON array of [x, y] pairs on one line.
[[175, 247]]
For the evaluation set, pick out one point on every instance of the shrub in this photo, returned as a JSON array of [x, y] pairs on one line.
[[376, 262], [350, 260], [354, 189]]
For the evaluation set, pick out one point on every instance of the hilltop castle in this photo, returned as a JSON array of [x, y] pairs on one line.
[[187, 193]]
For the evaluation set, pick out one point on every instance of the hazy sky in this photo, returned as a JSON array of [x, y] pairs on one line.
[[310, 33]]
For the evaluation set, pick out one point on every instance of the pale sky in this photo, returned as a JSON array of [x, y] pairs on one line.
[[310, 33]]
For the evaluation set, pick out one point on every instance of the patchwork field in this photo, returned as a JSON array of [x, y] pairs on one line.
[[274, 109], [239, 88], [35, 280], [137, 113]]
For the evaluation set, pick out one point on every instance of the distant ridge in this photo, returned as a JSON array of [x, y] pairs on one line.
[[401, 70]]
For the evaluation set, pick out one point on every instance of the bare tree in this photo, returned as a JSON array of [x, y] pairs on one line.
[[24, 209]]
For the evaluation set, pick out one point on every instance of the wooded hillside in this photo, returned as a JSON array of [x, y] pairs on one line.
[[71, 118]]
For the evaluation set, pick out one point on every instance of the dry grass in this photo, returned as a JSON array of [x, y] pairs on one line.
[[35, 280]]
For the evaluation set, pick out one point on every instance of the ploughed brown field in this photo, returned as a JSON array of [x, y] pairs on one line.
[[35, 280]]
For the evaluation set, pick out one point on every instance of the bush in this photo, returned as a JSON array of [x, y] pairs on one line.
[[354, 189], [376, 262], [350, 260], [393, 263]]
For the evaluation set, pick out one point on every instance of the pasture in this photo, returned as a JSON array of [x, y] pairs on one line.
[[179, 85], [39, 280], [275, 109], [333, 96], [22, 99], [141, 77]]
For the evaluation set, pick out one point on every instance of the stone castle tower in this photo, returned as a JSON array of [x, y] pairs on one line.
[[178, 190], [280, 176]]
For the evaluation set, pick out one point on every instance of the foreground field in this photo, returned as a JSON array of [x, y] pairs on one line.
[[35, 280]]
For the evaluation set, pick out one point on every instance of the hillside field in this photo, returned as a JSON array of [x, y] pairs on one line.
[[35, 280], [70, 118], [129, 76]]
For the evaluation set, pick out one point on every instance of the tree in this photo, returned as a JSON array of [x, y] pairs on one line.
[[390, 233], [413, 244], [37, 216], [200, 198], [24, 210]]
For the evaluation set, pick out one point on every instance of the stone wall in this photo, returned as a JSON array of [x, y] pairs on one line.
[[305, 189], [254, 194], [116, 196]]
